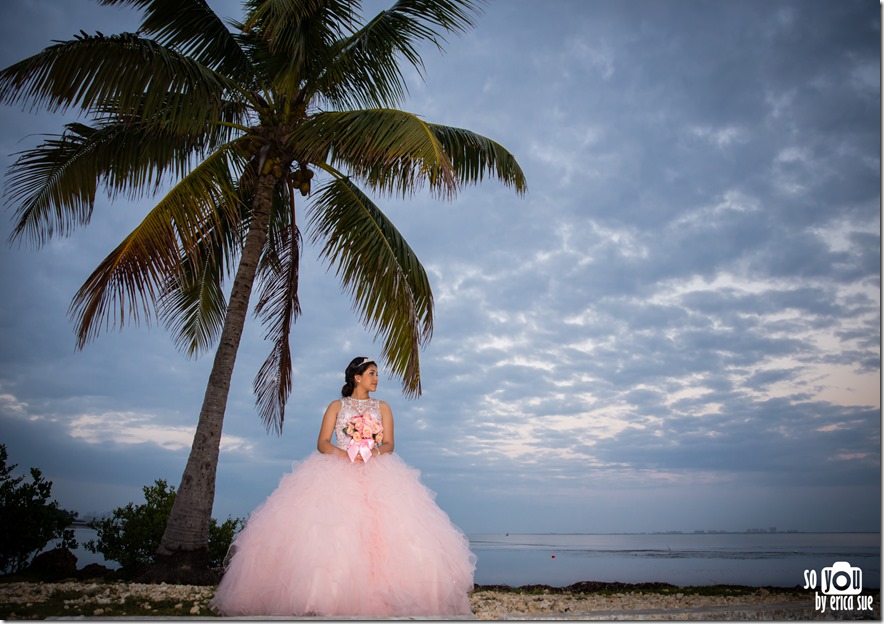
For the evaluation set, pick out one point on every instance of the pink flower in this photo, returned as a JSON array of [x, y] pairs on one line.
[[364, 427]]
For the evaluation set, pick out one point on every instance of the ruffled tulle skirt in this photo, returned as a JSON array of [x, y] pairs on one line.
[[337, 538]]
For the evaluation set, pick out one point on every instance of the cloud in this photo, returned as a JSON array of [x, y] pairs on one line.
[[128, 428], [10, 405], [117, 428], [720, 137]]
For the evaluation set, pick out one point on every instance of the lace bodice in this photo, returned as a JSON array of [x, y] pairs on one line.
[[351, 407]]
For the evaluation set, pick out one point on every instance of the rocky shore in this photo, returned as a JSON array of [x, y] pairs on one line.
[[25, 600], [657, 603], [586, 601]]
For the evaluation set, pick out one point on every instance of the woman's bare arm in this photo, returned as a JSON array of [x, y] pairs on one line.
[[327, 430], [388, 444]]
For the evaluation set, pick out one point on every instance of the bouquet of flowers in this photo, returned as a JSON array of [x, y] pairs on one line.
[[365, 433]]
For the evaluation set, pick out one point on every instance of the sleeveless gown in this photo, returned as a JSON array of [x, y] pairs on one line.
[[348, 539]]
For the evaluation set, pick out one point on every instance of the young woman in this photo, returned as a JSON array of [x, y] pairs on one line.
[[351, 531]]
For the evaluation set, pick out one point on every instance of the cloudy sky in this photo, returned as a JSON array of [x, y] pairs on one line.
[[677, 328]]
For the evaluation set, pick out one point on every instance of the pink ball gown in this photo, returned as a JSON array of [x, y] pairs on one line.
[[349, 539]]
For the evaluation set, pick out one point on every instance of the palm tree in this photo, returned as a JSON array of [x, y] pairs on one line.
[[243, 119]]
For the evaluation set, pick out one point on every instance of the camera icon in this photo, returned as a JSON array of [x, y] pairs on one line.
[[842, 579]]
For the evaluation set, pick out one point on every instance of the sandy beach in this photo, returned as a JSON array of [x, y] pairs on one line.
[[587, 601]]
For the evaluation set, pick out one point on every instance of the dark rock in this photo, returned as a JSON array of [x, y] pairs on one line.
[[183, 567], [53, 565], [587, 587], [94, 571]]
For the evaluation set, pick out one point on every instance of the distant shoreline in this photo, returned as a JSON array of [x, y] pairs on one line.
[[698, 532], [84, 523], [81, 523]]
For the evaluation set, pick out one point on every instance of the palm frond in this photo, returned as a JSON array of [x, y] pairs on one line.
[[192, 304], [278, 307], [267, 67], [475, 157], [228, 117], [365, 70], [192, 28], [393, 151], [135, 73], [54, 184], [137, 272], [381, 273], [299, 34]]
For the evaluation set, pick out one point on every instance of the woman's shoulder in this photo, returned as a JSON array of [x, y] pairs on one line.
[[336, 404]]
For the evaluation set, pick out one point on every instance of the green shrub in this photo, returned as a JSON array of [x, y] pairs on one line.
[[220, 538], [132, 534], [29, 519]]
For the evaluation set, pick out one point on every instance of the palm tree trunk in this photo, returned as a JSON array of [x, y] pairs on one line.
[[183, 555]]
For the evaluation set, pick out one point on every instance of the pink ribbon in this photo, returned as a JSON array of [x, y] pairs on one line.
[[362, 447]]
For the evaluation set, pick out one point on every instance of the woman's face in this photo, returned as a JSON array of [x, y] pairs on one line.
[[368, 380]]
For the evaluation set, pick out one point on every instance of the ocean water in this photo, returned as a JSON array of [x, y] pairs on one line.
[[84, 557], [755, 559]]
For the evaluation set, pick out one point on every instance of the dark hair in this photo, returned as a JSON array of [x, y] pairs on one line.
[[356, 367]]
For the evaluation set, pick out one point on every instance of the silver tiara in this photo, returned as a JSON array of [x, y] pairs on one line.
[[365, 361]]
